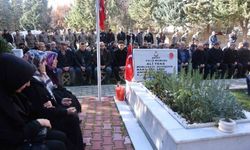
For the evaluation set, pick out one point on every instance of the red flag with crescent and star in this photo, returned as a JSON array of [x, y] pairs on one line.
[[102, 15], [129, 71]]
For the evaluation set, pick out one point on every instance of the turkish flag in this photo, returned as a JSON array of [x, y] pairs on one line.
[[102, 14], [129, 71]]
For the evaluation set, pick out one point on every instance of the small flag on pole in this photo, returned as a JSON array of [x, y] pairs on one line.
[[129, 71], [102, 15]]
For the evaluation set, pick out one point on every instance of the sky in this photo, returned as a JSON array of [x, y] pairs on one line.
[[55, 3]]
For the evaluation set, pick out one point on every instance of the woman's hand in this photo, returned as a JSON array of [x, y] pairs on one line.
[[71, 110], [44, 122], [48, 104], [66, 101]]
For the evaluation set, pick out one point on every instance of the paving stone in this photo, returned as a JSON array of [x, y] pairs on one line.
[[107, 147], [96, 145], [107, 133], [97, 137], [117, 129], [129, 147], [107, 140], [87, 133], [87, 141], [119, 144], [97, 130], [107, 126], [88, 127], [98, 124], [117, 137], [127, 140]]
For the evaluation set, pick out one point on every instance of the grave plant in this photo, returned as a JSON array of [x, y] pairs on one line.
[[195, 99]]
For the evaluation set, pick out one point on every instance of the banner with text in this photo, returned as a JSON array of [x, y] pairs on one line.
[[154, 59]]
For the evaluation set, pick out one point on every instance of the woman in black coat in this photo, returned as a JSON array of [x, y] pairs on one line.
[[45, 104], [16, 127]]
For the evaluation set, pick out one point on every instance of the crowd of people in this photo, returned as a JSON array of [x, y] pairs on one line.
[[77, 52]]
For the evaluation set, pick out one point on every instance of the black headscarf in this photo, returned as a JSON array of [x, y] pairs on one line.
[[14, 72]]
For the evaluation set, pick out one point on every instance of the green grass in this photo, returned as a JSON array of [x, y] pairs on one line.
[[242, 98]]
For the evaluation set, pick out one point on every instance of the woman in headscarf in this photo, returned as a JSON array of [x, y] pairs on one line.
[[43, 100], [17, 129], [60, 93]]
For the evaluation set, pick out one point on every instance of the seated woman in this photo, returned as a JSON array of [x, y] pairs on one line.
[[17, 129], [61, 94], [45, 104]]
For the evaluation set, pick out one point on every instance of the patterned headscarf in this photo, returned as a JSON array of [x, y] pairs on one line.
[[35, 57], [51, 56]]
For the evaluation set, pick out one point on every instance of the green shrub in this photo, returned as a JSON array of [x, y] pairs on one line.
[[4, 46], [195, 100]]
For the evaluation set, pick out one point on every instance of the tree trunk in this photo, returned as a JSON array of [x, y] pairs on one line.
[[244, 27]]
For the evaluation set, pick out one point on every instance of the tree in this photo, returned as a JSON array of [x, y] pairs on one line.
[[58, 16], [17, 12], [82, 15], [234, 11], [201, 13], [141, 11], [36, 14], [171, 12], [5, 17]]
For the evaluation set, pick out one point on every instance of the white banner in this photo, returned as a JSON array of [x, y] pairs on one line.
[[154, 59]]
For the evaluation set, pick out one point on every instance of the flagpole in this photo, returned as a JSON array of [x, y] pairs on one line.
[[98, 49]]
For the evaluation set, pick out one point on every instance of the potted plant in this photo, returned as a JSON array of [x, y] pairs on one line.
[[228, 109], [226, 125]]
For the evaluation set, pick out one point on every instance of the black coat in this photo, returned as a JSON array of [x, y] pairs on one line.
[[149, 38], [67, 60], [120, 57], [16, 125], [38, 95], [58, 116], [214, 56], [84, 58], [244, 55], [230, 56], [121, 36], [199, 57]]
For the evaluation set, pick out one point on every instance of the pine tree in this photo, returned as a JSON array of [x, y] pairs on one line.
[[141, 11], [5, 17], [200, 13], [82, 14], [170, 12], [17, 12], [234, 11], [36, 14]]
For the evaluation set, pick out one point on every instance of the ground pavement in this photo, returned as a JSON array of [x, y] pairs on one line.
[[102, 126]]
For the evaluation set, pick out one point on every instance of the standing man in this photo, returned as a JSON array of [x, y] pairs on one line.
[[57, 37], [149, 38], [213, 39], [43, 37], [18, 39], [82, 37], [139, 37], [30, 40], [71, 38], [121, 36], [7, 36]]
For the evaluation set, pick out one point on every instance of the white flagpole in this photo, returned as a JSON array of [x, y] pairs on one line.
[[98, 49]]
